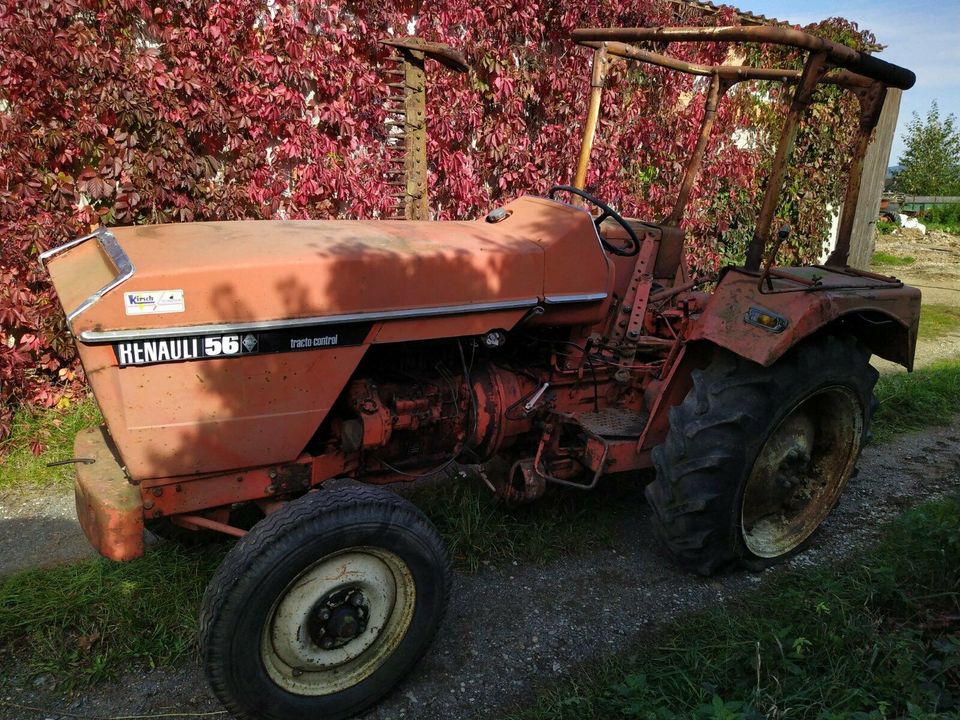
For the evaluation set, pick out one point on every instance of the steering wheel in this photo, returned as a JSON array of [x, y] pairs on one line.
[[629, 249]]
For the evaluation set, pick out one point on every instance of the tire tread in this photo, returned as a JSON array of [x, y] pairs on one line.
[[727, 406], [290, 520]]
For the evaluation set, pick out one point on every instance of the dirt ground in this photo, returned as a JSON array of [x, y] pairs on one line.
[[937, 257], [937, 273], [516, 628]]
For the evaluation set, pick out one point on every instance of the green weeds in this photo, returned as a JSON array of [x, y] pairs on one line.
[[889, 260], [479, 530], [54, 429], [943, 217], [86, 622], [910, 401], [938, 320]]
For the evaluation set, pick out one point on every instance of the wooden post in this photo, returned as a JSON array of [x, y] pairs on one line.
[[415, 136], [874, 174]]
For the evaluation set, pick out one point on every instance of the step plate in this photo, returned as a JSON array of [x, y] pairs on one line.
[[613, 422]]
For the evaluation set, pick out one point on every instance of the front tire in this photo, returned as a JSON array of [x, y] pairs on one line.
[[756, 458], [324, 606]]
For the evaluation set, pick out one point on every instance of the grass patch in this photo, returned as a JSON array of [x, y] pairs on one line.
[[926, 397], [885, 227], [55, 428], [87, 622], [875, 637], [952, 228], [480, 530], [938, 320], [891, 260]]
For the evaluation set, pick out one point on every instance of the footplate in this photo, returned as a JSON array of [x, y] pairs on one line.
[[108, 506], [613, 422]]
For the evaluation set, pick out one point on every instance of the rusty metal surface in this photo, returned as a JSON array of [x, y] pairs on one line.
[[598, 348], [520, 485], [180, 418], [836, 54], [732, 73], [108, 506], [448, 56], [800, 471], [199, 522], [723, 77], [248, 271], [407, 102], [598, 76], [174, 496], [815, 67], [884, 314], [718, 88], [871, 104]]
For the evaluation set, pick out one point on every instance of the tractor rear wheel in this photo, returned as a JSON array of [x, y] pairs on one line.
[[756, 458], [324, 605]]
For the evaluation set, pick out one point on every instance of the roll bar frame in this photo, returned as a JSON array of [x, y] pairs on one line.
[[827, 62]]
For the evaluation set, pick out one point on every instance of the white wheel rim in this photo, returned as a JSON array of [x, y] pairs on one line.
[[822, 433], [289, 652]]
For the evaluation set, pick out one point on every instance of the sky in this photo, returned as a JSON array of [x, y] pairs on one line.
[[921, 36]]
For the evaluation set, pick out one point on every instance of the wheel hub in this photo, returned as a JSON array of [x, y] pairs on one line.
[[338, 618]]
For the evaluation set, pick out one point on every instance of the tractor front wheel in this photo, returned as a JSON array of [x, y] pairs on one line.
[[756, 458], [324, 605]]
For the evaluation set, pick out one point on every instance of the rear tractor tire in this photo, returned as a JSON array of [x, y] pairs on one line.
[[324, 605], [757, 457]]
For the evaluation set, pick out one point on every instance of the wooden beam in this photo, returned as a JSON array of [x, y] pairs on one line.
[[875, 164]]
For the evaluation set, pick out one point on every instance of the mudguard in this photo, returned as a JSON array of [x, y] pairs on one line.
[[760, 322]]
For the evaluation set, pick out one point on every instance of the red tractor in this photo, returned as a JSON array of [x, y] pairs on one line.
[[288, 370]]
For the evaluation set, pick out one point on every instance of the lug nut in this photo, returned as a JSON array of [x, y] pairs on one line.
[[326, 643], [324, 614], [356, 599]]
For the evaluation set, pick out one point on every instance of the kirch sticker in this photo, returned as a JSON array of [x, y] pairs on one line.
[[153, 302], [151, 351]]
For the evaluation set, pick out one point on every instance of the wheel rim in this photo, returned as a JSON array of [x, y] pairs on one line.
[[338, 621], [800, 471]]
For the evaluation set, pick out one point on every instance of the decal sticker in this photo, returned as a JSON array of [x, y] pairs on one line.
[[153, 302], [207, 347]]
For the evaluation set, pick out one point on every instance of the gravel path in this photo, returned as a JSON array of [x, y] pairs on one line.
[[514, 629], [39, 530]]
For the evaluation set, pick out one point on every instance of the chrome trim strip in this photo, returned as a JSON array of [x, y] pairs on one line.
[[121, 263], [95, 336], [574, 298]]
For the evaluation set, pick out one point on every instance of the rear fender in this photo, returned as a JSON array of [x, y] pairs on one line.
[[883, 315]]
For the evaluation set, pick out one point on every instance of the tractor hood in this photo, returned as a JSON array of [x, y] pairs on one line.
[[212, 346], [246, 273]]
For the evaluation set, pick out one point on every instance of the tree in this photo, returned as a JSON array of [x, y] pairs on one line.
[[931, 162]]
